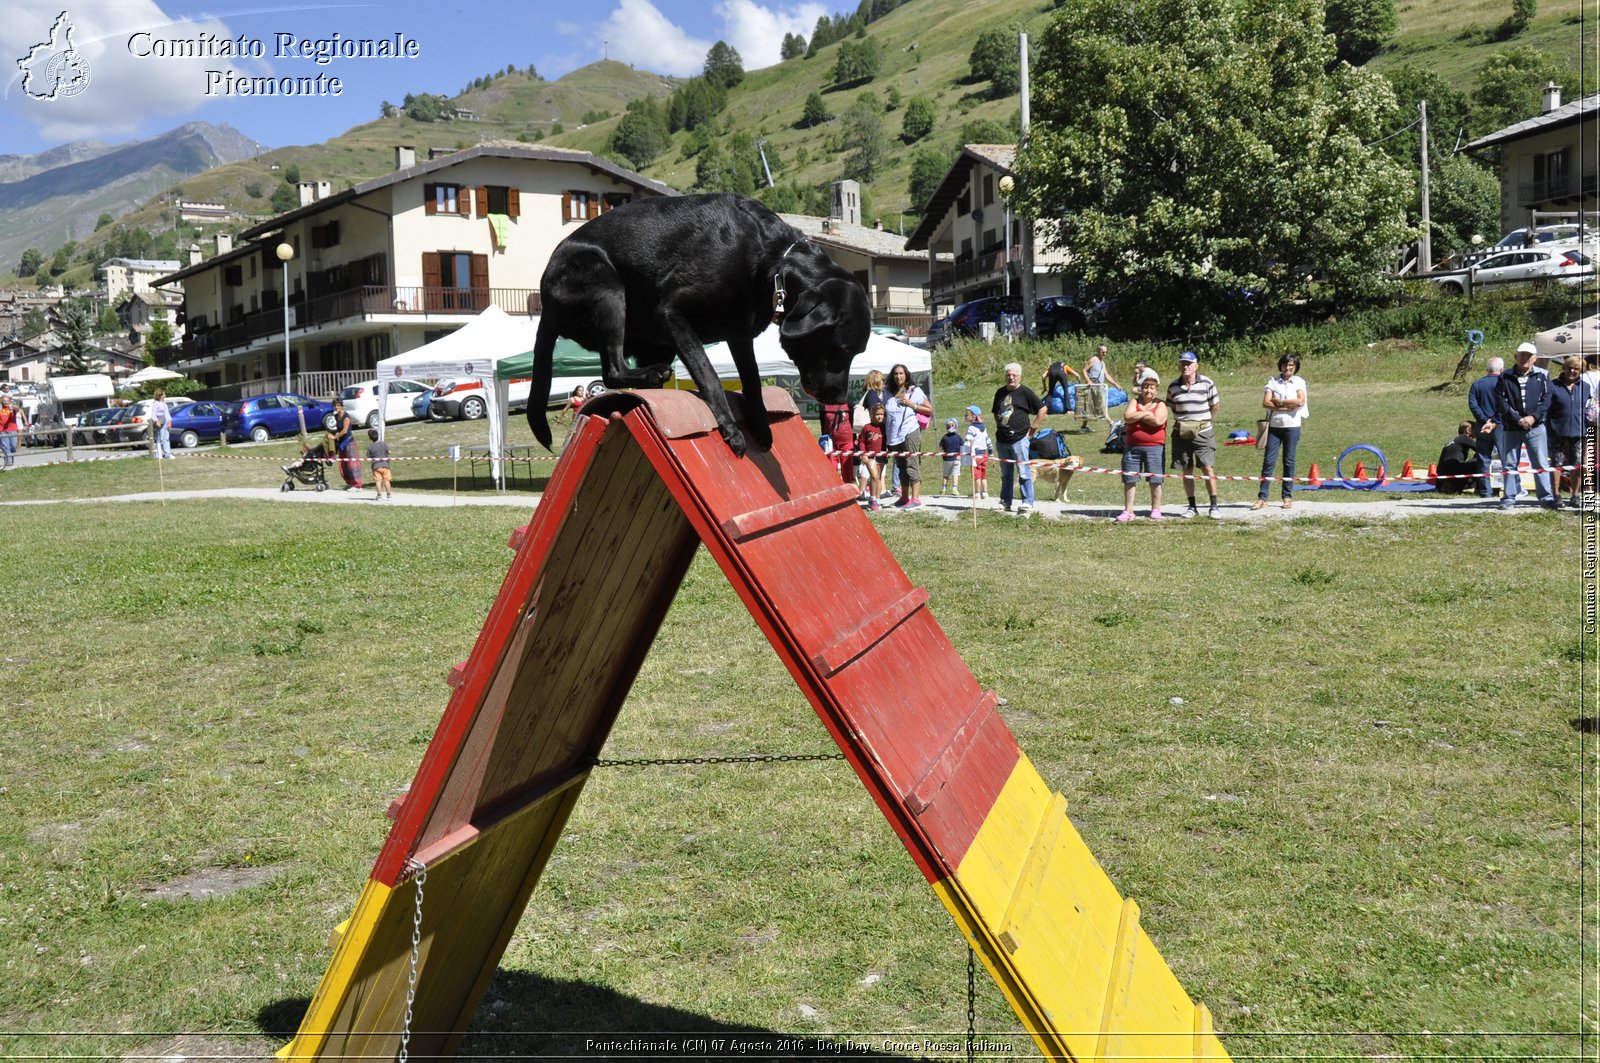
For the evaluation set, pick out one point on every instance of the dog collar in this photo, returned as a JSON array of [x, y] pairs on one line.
[[779, 296]]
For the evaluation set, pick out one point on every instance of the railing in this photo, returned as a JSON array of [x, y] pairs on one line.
[[1569, 186], [366, 301], [988, 264]]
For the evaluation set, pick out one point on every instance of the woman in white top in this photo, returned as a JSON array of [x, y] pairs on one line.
[[1285, 402]]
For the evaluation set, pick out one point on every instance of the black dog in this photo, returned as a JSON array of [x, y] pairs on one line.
[[659, 278]]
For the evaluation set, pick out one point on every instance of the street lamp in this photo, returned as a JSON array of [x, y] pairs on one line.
[[1008, 185], [285, 253]]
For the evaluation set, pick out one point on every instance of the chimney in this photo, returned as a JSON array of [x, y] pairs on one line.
[[405, 156], [224, 243], [846, 202], [311, 191], [1552, 96], [194, 254]]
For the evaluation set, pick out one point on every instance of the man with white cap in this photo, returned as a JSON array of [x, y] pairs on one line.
[[1523, 402], [1193, 401]]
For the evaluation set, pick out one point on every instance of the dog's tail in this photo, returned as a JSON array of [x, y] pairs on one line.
[[544, 346]]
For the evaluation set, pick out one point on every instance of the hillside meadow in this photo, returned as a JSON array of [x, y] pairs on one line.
[[1345, 765]]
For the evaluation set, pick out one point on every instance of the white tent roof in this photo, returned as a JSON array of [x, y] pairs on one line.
[[1575, 337], [882, 353]]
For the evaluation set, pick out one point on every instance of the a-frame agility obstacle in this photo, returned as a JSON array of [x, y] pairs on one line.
[[644, 479]]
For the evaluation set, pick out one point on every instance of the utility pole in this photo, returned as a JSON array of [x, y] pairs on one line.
[[1425, 245], [1029, 324], [761, 146]]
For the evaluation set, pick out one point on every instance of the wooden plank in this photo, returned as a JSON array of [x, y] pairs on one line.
[[945, 764], [761, 521], [1119, 986], [874, 628], [1031, 882]]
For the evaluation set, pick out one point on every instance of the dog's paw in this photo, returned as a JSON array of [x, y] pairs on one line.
[[656, 378], [735, 440], [760, 432]]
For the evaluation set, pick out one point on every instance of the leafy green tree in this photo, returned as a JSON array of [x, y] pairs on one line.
[[815, 112], [30, 262], [102, 221], [987, 131], [291, 174], [34, 322], [108, 323], [424, 107], [723, 66], [793, 47], [918, 120], [1522, 12], [157, 338], [1251, 171], [863, 138], [858, 61], [61, 261], [1463, 200], [995, 58], [1510, 86], [1360, 28], [78, 321], [696, 102], [284, 199], [641, 135], [928, 167]]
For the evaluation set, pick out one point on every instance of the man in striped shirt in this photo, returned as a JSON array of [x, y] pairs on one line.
[[1193, 401]]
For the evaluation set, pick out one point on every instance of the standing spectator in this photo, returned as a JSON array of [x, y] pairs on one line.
[[1097, 377], [837, 429], [1522, 402], [906, 406], [1193, 399], [975, 452], [1145, 450], [344, 438], [1284, 399], [877, 394], [1486, 425], [1017, 412], [950, 457], [161, 425], [871, 445], [382, 476], [1569, 396], [12, 421]]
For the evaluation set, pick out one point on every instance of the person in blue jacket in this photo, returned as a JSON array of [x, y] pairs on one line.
[[1522, 400], [1485, 419], [1569, 398]]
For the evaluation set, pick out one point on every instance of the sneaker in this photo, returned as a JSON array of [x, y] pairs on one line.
[[1124, 517], [902, 502], [874, 504], [1215, 512], [887, 494], [352, 487], [914, 503], [1189, 511], [286, 469], [1155, 514], [1507, 503]]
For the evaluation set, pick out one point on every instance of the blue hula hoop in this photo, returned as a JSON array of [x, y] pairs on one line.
[[1361, 485]]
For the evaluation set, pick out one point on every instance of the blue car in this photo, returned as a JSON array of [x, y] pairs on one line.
[[197, 422], [260, 418], [422, 405]]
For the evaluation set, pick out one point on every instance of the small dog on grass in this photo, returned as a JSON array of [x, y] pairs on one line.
[[658, 278], [1057, 472]]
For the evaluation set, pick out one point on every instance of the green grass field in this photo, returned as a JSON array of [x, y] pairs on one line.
[[1349, 779]]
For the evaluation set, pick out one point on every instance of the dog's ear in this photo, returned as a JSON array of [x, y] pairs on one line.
[[835, 304]]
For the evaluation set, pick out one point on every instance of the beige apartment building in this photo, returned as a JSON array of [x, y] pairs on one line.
[[386, 266]]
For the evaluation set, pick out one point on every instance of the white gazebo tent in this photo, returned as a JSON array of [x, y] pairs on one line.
[[1581, 337], [774, 366], [472, 350]]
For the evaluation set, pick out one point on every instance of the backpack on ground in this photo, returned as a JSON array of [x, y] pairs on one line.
[[1114, 440], [1048, 445]]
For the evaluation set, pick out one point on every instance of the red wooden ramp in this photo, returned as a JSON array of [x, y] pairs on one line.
[[644, 479]]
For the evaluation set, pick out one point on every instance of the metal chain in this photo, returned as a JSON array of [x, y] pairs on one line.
[[757, 758], [421, 870], [972, 1003]]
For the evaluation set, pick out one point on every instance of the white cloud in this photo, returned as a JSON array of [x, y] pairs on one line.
[[639, 34], [757, 32], [124, 90]]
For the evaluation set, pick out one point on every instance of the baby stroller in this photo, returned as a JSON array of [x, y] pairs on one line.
[[311, 470]]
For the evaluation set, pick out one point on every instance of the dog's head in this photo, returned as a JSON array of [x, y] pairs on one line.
[[826, 327]]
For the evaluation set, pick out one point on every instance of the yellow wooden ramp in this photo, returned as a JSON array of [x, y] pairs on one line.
[[643, 481]]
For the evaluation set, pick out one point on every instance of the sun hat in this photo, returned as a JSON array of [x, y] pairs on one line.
[[1527, 348]]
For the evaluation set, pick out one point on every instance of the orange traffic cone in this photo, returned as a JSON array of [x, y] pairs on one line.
[[1433, 472], [1406, 472], [1315, 479], [1361, 471]]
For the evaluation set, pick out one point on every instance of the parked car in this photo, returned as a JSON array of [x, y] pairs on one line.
[[264, 416], [1053, 316], [1562, 233], [139, 412], [197, 422], [361, 401], [422, 405], [100, 423], [1553, 265], [461, 399]]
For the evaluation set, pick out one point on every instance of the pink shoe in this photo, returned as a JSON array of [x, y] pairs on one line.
[[874, 504], [1124, 517], [1155, 514]]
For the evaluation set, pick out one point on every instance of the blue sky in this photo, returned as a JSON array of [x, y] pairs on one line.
[[140, 74]]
